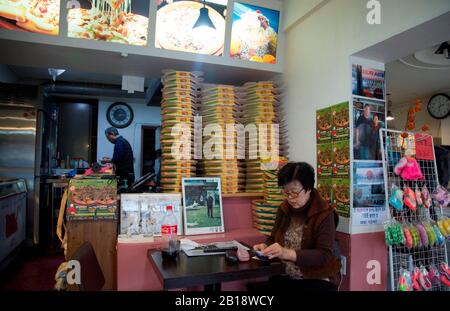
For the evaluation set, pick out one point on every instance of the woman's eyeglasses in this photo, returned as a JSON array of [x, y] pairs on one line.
[[292, 194]]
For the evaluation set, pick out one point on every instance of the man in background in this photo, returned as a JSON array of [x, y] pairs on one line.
[[210, 204], [122, 158], [363, 131]]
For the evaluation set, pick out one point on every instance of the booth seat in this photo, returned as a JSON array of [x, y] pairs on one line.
[[135, 272]]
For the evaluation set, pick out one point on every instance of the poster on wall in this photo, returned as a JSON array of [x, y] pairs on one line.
[[202, 205], [141, 214], [92, 199], [254, 34], [119, 21], [324, 187], [341, 158], [341, 196], [368, 82], [324, 160], [368, 194], [324, 121], [38, 16], [368, 118], [191, 26], [341, 121]]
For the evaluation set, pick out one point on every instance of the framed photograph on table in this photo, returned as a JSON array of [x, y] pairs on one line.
[[202, 205]]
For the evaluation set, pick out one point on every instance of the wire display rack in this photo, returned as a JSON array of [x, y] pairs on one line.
[[394, 148]]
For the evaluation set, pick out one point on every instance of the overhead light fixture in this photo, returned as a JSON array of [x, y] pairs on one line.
[[444, 49], [390, 116], [54, 73], [204, 19]]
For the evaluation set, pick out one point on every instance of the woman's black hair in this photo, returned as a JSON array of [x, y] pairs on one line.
[[300, 171]]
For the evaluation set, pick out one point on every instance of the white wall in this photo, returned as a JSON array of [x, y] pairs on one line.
[[143, 115], [317, 71], [294, 10]]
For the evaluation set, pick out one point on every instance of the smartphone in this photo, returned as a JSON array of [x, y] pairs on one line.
[[261, 256]]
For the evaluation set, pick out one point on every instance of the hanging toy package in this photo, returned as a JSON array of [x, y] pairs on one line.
[[418, 195], [410, 199], [440, 194], [396, 199], [445, 274], [408, 169], [426, 197], [424, 279], [405, 282]]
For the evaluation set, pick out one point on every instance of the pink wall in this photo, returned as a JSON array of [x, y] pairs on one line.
[[359, 249], [344, 244], [364, 248], [135, 273]]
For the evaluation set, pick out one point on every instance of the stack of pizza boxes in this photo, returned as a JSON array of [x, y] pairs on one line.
[[179, 105], [265, 211], [220, 113], [261, 111]]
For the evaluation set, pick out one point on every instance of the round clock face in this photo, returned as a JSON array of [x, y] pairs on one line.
[[119, 115], [439, 106]]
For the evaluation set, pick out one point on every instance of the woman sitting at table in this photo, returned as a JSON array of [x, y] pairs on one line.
[[303, 236]]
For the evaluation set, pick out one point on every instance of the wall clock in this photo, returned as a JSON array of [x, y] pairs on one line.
[[439, 106], [120, 115]]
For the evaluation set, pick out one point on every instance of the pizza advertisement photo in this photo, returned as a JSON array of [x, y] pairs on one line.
[[119, 21], [340, 121], [92, 199], [324, 119], [254, 33], [38, 16], [180, 28], [324, 159], [341, 196], [341, 158]]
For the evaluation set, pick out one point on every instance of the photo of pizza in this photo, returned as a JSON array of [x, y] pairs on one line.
[[175, 29], [324, 157], [341, 118], [254, 33], [341, 193], [109, 20], [38, 16], [324, 190], [324, 122], [341, 154]]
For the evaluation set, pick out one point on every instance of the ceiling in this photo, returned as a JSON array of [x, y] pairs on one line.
[[38, 75], [407, 83]]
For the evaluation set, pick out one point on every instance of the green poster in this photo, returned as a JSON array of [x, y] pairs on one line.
[[323, 125], [324, 187], [340, 121], [341, 159], [324, 159], [92, 199], [341, 196]]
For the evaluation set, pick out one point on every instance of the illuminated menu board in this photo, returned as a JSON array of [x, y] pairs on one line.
[[254, 33], [191, 26], [120, 21], [39, 16]]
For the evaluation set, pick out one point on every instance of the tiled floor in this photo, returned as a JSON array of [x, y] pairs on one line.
[[31, 271]]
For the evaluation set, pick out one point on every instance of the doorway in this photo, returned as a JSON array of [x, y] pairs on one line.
[[148, 146], [77, 131]]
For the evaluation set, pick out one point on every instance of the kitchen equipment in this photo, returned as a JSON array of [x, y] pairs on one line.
[[13, 204]]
